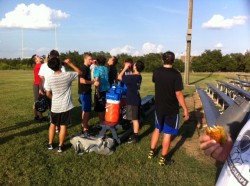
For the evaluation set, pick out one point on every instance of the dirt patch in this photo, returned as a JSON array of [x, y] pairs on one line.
[[191, 129]]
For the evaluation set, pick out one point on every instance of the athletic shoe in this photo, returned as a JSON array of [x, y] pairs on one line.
[[59, 149], [49, 146], [133, 139], [151, 154], [163, 161], [86, 133]]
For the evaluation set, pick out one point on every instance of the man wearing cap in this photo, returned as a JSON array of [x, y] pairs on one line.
[[46, 72]]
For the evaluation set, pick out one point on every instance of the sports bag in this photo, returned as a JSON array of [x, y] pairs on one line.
[[41, 105], [85, 144]]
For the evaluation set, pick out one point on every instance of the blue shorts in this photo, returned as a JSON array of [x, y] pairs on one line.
[[86, 102], [167, 124]]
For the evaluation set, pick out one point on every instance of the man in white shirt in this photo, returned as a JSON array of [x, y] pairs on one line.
[[45, 71]]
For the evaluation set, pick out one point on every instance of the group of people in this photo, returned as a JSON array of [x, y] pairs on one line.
[[56, 83], [52, 80]]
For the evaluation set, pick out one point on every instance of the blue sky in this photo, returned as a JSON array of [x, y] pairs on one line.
[[136, 27]]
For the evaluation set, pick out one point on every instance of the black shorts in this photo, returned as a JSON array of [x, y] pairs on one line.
[[132, 112], [100, 103], [63, 118]]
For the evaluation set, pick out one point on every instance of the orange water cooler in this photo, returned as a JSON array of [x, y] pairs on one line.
[[112, 111]]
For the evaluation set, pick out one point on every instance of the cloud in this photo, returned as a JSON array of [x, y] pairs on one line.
[[219, 22], [32, 17], [127, 49], [219, 45], [146, 49], [151, 48]]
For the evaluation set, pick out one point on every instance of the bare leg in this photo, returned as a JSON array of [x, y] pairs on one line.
[[52, 128], [136, 126], [155, 138], [165, 144], [101, 116], [34, 110], [85, 120], [62, 134], [36, 113]]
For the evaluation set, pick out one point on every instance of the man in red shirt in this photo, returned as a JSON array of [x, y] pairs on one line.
[[38, 62]]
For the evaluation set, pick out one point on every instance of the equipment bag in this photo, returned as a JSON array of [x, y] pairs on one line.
[[84, 144], [41, 105]]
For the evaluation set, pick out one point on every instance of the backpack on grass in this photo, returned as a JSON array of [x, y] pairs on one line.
[[85, 144], [41, 105]]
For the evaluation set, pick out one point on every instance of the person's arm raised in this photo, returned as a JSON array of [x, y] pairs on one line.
[[126, 66], [70, 64]]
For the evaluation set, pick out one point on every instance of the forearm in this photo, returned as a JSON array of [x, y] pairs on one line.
[[181, 100], [49, 94], [41, 83], [119, 77], [41, 91], [84, 81], [71, 65]]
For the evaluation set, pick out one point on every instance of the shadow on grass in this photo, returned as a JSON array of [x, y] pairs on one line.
[[76, 116], [186, 131], [41, 127], [19, 125], [76, 119], [151, 120], [210, 74]]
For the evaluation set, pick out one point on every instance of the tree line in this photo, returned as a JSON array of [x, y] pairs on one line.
[[208, 61]]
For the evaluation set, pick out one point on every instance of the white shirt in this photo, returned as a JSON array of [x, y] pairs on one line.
[[236, 170], [45, 71]]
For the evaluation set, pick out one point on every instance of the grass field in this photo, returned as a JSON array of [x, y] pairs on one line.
[[25, 159]]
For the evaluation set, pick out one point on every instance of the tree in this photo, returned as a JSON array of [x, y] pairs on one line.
[[209, 61], [247, 61], [152, 61], [179, 65], [228, 64], [239, 59]]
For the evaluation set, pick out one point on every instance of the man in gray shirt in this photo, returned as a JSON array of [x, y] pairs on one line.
[[60, 85]]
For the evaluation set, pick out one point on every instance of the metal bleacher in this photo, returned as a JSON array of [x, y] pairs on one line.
[[220, 96], [235, 104], [232, 90]]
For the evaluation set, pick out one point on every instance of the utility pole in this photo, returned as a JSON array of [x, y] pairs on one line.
[[189, 37]]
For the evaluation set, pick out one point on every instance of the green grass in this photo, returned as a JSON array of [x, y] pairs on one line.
[[26, 161]]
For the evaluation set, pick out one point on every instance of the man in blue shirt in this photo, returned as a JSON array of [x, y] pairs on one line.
[[133, 101]]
